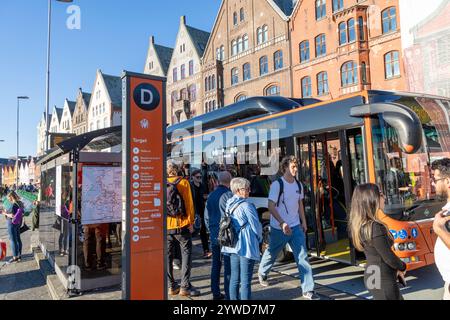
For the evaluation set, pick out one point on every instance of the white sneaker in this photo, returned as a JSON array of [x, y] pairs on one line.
[[311, 295], [263, 280]]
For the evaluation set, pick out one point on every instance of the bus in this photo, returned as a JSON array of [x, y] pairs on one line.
[[382, 137]]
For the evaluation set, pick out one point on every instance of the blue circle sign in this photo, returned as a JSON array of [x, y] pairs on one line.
[[414, 233], [146, 97], [402, 234], [394, 234]]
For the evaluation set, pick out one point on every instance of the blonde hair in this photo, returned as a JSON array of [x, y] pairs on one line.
[[286, 162], [363, 214], [172, 169]]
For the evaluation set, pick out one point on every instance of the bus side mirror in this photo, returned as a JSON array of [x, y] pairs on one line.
[[405, 122]]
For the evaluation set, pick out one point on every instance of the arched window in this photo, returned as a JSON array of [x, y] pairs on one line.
[[342, 33], [242, 14], [263, 65], [389, 17], [206, 84], [322, 83], [240, 45], [233, 48], [278, 60], [391, 64], [349, 74], [304, 51], [306, 87], [245, 40], [246, 71], [235, 19], [351, 30], [265, 33], [272, 91], [259, 32], [184, 94], [234, 76], [321, 47], [240, 97], [206, 107]]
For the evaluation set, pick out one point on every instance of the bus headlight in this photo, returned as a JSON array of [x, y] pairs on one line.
[[401, 247], [412, 246]]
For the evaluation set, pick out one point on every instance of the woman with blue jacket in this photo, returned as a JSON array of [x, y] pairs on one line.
[[246, 253]]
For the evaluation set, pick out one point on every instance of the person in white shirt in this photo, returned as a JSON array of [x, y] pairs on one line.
[[288, 225], [441, 181]]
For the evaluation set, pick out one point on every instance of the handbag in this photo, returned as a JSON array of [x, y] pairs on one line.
[[2, 250], [24, 228]]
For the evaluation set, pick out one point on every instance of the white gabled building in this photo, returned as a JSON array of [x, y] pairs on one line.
[[158, 59], [67, 117], [41, 128], [55, 123]]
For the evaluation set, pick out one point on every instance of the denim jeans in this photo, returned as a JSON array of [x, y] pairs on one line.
[[296, 240], [217, 259], [14, 237], [185, 242], [241, 277]]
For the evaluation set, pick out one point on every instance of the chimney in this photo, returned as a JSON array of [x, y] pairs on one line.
[[152, 39], [183, 20]]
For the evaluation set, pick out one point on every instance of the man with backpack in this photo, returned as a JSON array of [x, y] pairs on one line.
[[180, 226], [288, 225]]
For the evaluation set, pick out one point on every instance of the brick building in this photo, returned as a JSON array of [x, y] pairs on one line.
[[344, 46], [248, 53]]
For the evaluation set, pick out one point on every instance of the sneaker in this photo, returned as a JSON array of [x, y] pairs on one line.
[[263, 280], [101, 267], [174, 291], [176, 266], [191, 292], [221, 297], [311, 295], [207, 255]]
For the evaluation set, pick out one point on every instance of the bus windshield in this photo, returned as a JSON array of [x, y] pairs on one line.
[[406, 178]]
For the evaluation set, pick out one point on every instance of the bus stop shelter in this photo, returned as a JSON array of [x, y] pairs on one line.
[[80, 218]]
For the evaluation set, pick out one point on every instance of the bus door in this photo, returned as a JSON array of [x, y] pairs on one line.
[[332, 164]]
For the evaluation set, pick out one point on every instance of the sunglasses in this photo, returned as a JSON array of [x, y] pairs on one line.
[[198, 177]]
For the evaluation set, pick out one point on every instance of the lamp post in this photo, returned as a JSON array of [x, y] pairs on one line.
[[17, 151], [47, 94]]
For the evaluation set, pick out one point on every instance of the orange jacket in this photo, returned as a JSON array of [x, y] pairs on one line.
[[184, 188]]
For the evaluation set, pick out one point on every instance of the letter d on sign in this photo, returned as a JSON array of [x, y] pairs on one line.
[[146, 97]]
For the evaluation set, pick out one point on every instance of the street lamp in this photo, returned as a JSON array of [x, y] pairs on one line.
[[17, 153], [47, 94]]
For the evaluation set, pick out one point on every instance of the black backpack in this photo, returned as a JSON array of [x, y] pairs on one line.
[[280, 181], [175, 203], [228, 236]]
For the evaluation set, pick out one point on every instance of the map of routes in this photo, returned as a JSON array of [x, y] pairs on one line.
[[101, 195]]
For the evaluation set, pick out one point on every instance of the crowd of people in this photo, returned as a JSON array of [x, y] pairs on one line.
[[229, 200]]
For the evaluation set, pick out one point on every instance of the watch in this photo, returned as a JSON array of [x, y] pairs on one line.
[[282, 224]]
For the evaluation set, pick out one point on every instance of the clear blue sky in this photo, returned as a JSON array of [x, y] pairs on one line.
[[113, 37]]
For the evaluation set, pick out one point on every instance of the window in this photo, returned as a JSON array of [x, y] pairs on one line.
[[338, 5], [265, 33], [263, 66], [363, 73], [173, 98], [214, 105], [105, 123], [183, 71], [245, 39], [191, 67], [247, 72], [234, 76], [213, 82], [175, 75], [240, 98], [321, 10], [391, 64], [235, 19], [322, 83], [98, 124], [349, 74], [184, 94], [342, 33], [218, 54], [278, 60], [306, 87], [234, 49], [304, 51], [389, 20], [192, 93], [321, 47], [240, 45], [242, 14], [206, 84], [259, 32], [272, 91], [222, 53], [361, 28], [351, 30]]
